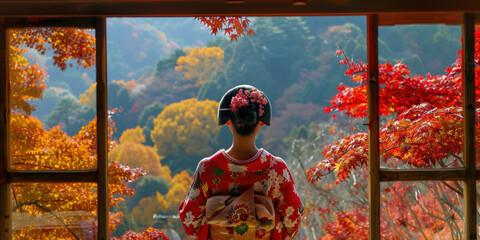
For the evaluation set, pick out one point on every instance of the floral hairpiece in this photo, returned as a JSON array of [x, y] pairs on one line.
[[243, 98]]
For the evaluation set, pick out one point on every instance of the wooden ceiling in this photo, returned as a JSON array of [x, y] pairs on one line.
[[390, 11]]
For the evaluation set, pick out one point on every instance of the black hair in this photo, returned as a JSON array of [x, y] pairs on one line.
[[245, 119]]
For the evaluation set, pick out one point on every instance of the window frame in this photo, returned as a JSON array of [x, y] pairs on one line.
[[98, 175], [468, 174]]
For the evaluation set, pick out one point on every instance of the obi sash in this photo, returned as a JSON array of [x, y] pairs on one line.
[[248, 216]]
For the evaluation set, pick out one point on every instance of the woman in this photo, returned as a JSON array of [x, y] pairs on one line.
[[243, 192]]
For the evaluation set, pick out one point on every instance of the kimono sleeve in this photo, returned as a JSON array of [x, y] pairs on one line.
[[192, 210], [290, 208]]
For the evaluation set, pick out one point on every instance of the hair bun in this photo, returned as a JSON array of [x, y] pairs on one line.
[[246, 115]]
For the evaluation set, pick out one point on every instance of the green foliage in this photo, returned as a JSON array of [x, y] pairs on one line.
[[393, 35], [214, 88], [271, 60], [51, 97], [282, 44], [182, 161], [147, 187], [219, 42], [145, 120], [322, 74], [119, 98], [243, 65], [247, 66], [165, 89], [70, 114], [170, 62], [302, 132], [417, 65], [436, 46], [127, 223], [122, 66], [153, 109], [276, 136]]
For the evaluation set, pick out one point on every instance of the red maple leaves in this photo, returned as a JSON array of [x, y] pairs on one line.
[[233, 27], [425, 126]]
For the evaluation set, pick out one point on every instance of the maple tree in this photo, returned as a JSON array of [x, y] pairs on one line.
[[27, 78], [200, 64], [424, 129], [232, 27]]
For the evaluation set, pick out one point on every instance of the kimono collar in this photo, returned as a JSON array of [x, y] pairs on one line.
[[231, 159]]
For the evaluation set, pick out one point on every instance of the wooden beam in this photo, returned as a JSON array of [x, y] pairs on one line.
[[422, 174], [468, 75], [450, 18], [4, 104], [5, 220], [386, 19], [102, 127], [158, 8], [77, 22], [373, 128], [15, 176]]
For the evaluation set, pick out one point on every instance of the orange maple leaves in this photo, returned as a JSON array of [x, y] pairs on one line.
[[27, 78], [66, 44], [72, 205], [33, 148]]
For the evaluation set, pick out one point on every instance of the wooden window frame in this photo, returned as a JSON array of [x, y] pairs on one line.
[[468, 174], [377, 13], [98, 175]]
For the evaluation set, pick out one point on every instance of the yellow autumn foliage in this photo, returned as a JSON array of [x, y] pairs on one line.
[[27, 81], [200, 64], [162, 204], [187, 126], [133, 153], [129, 85], [134, 135], [143, 213], [182, 178], [88, 98]]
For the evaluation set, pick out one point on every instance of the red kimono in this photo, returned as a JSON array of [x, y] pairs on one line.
[[250, 199]]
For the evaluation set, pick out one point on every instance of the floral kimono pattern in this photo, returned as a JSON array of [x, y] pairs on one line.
[[251, 199]]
